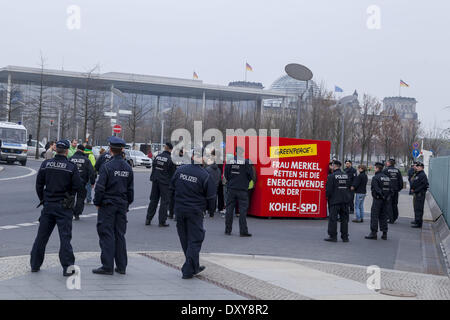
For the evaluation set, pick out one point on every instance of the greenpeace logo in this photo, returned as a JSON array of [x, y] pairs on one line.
[[293, 151]]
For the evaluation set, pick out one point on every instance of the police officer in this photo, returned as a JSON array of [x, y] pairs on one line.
[[396, 178], [178, 161], [339, 196], [193, 192], [87, 174], [419, 187], [162, 172], [105, 157], [114, 193], [239, 173], [56, 184], [352, 173], [381, 194]]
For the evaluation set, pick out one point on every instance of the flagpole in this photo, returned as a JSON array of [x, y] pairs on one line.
[[245, 67]]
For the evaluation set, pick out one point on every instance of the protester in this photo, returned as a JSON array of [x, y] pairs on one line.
[[359, 187], [51, 151]]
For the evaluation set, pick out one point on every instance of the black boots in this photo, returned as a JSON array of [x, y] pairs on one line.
[[372, 236]]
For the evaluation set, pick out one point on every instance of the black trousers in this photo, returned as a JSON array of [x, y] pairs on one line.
[[393, 206], [351, 205], [220, 197], [379, 214], [338, 211], [53, 214], [79, 206], [159, 191], [418, 204], [234, 196], [191, 233], [111, 229]]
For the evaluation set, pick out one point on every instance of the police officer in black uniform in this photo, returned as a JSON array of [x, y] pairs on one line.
[[178, 161], [193, 192], [419, 187], [239, 173], [381, 193], [114, 192], [162, 172], [397, 185], [56, 184], [87, 173], [352, 173], [102, 160], [339, 196]]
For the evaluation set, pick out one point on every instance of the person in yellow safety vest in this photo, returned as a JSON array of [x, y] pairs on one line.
[[90, 155]]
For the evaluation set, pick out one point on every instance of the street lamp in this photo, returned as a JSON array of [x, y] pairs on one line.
[[340, 105], [301, 73], [162, 125]]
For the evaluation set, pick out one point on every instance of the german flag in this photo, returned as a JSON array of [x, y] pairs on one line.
[[404, 84], [248, 67], [195, 75]]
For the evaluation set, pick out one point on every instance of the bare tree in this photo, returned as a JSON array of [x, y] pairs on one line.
[[139, 109], [368, 124], [40, 102]]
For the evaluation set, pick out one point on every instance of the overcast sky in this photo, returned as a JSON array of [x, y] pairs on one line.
[[216, 37]]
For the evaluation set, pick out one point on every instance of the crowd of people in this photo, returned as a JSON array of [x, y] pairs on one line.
[[346, 190]]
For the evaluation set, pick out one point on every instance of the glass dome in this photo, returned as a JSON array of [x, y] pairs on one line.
[[291, 86]]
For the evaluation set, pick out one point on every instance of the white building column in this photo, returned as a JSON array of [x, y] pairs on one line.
[[8, 97]]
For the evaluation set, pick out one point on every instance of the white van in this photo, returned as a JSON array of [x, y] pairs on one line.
[[13, 143]]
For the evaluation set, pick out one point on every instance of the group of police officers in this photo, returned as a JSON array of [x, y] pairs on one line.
[[385, 187], [188, 191]]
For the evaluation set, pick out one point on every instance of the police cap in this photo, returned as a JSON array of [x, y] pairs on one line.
[[420, 164], [392, 161], [116, 142], [169, 145], [80, 147], [379, 164], [337, 163], [63, 144]]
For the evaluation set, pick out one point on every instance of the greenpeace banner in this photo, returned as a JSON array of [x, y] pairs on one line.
[[291, 175]]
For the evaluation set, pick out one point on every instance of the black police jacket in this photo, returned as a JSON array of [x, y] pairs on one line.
[[396, 178], [55, 178], [239, 173], [102, 160], [420, 182], [192, 190], [381, 186], [352, 173], [360, 183], [214, 173], [338, 188], [115, 184], [163, 168], [85, 168]]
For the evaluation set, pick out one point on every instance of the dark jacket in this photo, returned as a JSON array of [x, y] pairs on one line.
[[58, 176], [193, 190], [239, 173], [163, 168], [352, 173], [115, 184], [396, 178], [214, 173], [360, 183], [338, 188], [411, 172], [381, 186], [85, 168], [102, 160], [420, 183]]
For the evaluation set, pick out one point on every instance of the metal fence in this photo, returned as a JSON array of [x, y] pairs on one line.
[[439, 179]]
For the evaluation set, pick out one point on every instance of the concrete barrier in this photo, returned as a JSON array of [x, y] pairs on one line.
[[440, 228]]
